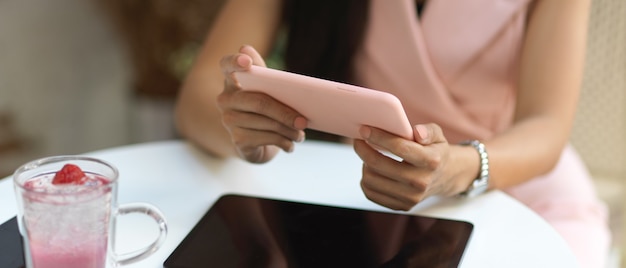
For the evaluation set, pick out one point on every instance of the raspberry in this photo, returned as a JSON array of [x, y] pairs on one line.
[[69, 174]]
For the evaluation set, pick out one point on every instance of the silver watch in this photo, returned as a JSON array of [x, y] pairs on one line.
[[480, 184]]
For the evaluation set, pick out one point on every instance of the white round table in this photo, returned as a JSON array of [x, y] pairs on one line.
[[184, 182]]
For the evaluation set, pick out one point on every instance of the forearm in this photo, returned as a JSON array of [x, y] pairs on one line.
[[552, 62], [529, 149], [239, 22], [197, 116]]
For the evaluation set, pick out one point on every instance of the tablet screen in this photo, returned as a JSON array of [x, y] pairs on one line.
[[244, 231], [11, 249]]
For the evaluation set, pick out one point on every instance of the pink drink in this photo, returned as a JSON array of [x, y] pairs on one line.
[[66, 209], [67, 224]]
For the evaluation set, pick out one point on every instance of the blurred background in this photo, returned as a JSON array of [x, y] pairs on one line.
[[79, 75]]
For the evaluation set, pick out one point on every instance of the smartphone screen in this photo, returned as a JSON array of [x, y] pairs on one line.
[[245, 231]]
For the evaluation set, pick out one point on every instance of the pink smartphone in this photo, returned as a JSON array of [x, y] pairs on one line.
[[330, 106]]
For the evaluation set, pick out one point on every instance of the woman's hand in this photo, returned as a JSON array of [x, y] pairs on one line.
[[258, 124], [421, 173]]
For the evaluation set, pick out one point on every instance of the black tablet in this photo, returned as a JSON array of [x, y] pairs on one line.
[[245, 231], [11, 248]]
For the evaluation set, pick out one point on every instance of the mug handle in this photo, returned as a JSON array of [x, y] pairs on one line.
[[140, 254]]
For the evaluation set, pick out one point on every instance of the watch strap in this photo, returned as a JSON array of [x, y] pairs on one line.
[[481, 183]]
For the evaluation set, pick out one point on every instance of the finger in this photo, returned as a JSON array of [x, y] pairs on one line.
[[428, 155], [257, 59], [372, 156], [396, 145], [239, 119], [260, 154], [428, 134], [263, 104], [386, 192], [411, 177], [235, 62], [249, 140], [411, 152], [383, 200], [231, 64], [393, 199], [375, 159], [241, 61]]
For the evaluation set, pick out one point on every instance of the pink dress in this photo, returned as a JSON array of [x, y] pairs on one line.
[[457, 66]]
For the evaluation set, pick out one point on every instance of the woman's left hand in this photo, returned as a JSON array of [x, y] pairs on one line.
[[401, 184]]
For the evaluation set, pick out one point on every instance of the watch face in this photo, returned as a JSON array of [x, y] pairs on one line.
[[478, 187], [481, 188]]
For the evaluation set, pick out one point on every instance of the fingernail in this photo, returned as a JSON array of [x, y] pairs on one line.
[[243, 61], [422, 131], [301, 136], [300, 123], [365, 132]]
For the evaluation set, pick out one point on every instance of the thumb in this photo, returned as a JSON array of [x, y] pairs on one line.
[[256, 57], [426, 134]]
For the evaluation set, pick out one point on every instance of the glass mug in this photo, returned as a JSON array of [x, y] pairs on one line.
[[74, 225]]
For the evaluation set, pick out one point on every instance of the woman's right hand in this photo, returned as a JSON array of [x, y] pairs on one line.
[[259, 125]]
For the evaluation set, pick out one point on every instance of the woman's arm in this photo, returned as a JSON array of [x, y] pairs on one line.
[[240, 22], [551, 73]]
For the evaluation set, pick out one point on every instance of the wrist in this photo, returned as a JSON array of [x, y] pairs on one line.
[[480, 181], [465, 169]]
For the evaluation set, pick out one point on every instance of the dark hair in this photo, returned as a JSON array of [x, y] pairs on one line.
[[321, 40], [323, 36]]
